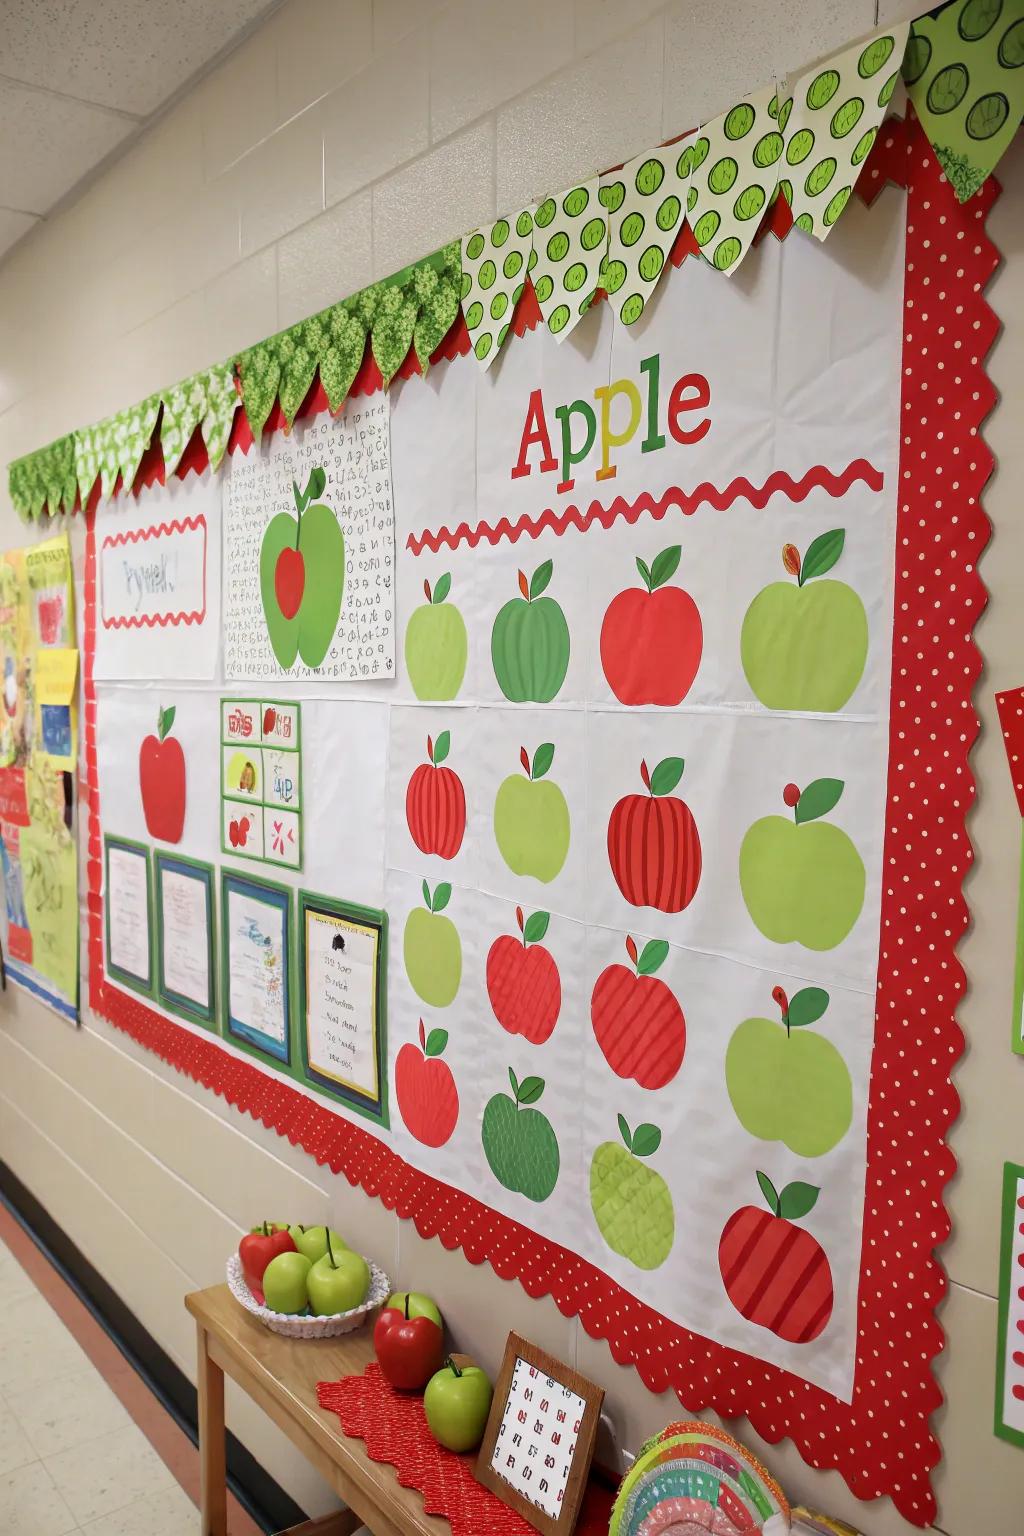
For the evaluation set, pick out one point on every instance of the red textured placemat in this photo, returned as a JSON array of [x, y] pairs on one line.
[[394, 1427]]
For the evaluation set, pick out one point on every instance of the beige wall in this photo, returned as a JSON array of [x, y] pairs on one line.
[[343, 139]]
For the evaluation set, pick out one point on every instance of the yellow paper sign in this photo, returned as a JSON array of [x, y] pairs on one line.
[[56, 709]]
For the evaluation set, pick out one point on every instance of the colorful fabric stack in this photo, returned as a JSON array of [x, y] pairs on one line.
[[695, 1477]]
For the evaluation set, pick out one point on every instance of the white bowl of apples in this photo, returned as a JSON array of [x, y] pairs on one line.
[[304, 1282]]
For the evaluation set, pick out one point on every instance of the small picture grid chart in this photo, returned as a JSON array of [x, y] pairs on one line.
[[261, 781], [536, 1440]]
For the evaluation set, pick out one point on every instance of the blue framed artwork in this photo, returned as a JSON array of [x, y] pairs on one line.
[[256, 964]]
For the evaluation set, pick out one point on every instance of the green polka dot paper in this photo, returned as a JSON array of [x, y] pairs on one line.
[[830, 123], [963, 70], [570, 238], [734, 176], [646, 204], [495, 260]]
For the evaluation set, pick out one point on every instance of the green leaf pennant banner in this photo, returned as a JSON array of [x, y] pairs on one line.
[[207, 401], [495, 260], [646, 203], [115, 447], [45, 478], [736, 169], [437, 294], [570, 238], [830, 124], [963, 70]]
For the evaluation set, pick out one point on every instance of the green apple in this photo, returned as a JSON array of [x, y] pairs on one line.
[[418, 1306], [804, 646], [632, 1204], [802, 880], [519, 1143], [302, 576], [456, 1403], [786, 1082], [531, 819], [312, 1241], [337, 1282], [284, 1283], [432, 949], [436, 645]]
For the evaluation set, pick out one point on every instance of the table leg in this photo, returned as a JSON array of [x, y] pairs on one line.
[[213, 1496]]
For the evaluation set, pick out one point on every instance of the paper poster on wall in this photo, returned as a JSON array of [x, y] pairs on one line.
[[56, 693], [1009, 1422], [186, 943], [343, 978], [129, 913], [309, 550], [261, 781], [256, 923]]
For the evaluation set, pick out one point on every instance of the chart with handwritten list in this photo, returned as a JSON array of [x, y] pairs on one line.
[[302, 600]]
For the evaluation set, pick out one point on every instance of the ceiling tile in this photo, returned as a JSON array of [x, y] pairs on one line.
[[13, 226], [48, 142]]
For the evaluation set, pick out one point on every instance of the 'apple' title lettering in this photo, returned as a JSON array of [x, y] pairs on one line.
[[620, 411]]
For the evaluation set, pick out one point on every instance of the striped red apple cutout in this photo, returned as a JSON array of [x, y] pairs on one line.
[[435, 803]]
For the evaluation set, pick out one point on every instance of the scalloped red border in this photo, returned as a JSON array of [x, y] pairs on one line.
[[882, 1442]]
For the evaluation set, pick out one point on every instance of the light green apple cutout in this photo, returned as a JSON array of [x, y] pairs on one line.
[[803, 880], [804, 646], [531, 819], [436, 644], [786, 1082], [632, 1204], [302, 576], [432, 949]]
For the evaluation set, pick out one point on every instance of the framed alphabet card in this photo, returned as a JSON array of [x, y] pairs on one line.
[[539, 1441]]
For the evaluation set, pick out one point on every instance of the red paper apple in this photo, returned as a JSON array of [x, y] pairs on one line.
[[435, 803], [269, 719], [162, 781], [775, 1273], [653, 844], [523, 982], [238, 832], [290, 581], [258, 1248], [409, 1349], [638, 1023], [652, 637], [426, 1091]]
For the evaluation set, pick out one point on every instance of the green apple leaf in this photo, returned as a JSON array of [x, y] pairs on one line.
[[442, 896], [540, 579], [818, 798], [442, 746], [651, 956], [165, 720], [536, 927], [530, 1090], [667, 775], [806, 1006], [436, 1042], [514, 1081], [300, 500], [542, 759], [442, 588], [665, 566], [646, 1140], [425, 888], [316, 484], [645, 572], [625, 1132], [797, 1199], [769, 1191], [822, 554]]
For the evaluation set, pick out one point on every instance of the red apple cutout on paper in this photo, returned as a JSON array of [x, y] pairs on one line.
[[775, 1273], [435, 803], [652, 638], [162, 781], [409, 1349], [426, 1091], [653, 843], [523, 983], [289, 581], [637, 1021]]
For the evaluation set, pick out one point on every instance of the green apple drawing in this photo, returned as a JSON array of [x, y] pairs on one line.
[[436, 644], [804, 646], [519, 1144], [802, 880], [432, 949], [786, 1082], [530, 642], [302, 576], [632, 1204], [531, 818]]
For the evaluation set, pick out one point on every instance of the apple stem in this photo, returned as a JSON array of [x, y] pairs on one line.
[[330, 1250], [407, 1306], [454, 1367]]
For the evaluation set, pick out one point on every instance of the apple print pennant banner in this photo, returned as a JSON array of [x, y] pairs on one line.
[[735, 169], [45, 478], [115, 447], [495, 261], [646, 201], [830, 124], [207, 401], [570, 237]]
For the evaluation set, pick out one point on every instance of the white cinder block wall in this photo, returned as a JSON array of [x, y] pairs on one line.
[[343, 139]]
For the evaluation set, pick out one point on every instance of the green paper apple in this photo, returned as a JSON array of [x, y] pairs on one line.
[[432, 949], [802, 880], [418, 1305], [519, 1143], [302, 576], [312, 1241], [337, 1282], [284, 1283], [632, 1204], [804, 646], [456, 1403], [531, 819], [530, 642], [436, 645], [786, 1082]]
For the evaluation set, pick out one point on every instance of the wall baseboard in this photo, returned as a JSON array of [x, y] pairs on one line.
[[262, 1498]]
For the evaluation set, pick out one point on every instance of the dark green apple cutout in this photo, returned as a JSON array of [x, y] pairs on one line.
[[519, 1143], [432, 949], [632, 1204], [530, 642], [804, 646], [436, 644], [802, 879], [302, 576], [788, 1083]]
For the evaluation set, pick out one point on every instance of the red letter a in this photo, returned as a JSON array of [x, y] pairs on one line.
[[535, 431]]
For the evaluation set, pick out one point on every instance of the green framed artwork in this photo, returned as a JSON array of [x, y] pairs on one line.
[[256, 965], [128, 913], [343, 1002], [1009, 1420], [1017, 1026], [261, 781], [186, 948]]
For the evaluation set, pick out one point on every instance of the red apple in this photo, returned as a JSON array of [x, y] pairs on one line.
[[652, 637], [774, 1272], [435, 803], [638, 1023], [523, 982], [425, 1088], [258, 1248], [409, 1349], [289, 581], [653, 844], [162, 781], [269, 720]]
